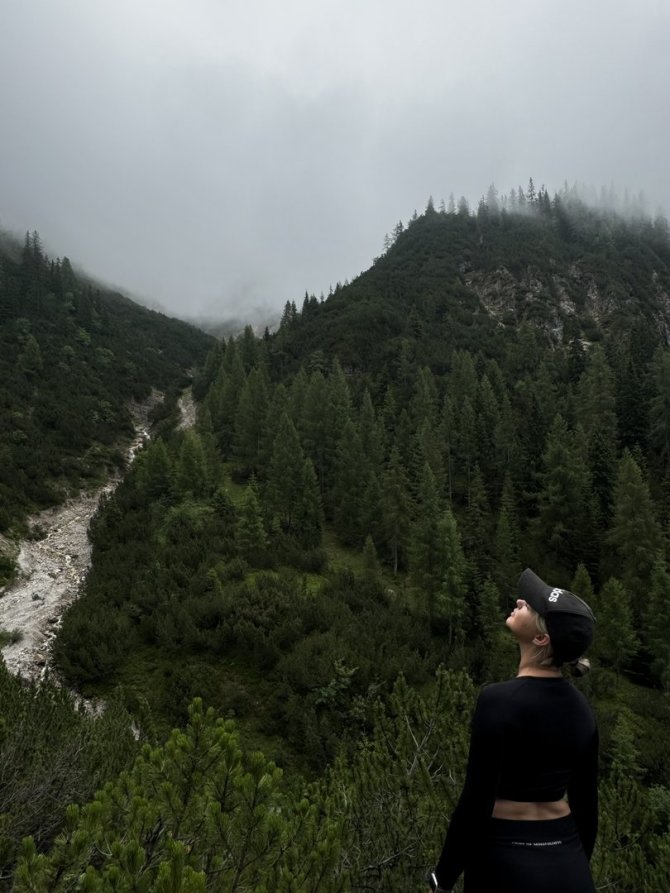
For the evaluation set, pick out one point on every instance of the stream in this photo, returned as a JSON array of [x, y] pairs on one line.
[[51, 569]]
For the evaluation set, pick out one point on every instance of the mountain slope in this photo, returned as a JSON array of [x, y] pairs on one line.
[[456, 280], [71, 357]]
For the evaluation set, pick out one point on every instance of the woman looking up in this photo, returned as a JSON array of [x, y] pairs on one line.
[[527, 817]]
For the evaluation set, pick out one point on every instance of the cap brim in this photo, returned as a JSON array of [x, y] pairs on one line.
[[533, 590]]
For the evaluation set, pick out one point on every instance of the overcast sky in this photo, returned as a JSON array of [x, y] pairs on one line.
[[221, 157]]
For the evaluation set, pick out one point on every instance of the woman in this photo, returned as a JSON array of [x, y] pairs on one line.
[[534, 740]]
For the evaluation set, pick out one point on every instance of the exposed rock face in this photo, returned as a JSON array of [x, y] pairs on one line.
[[546, 301], [187, 410]]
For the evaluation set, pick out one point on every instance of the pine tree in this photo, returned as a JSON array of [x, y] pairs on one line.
[[349, 482], [656, 624], [154, 471], [616, 641], [424, 401], [507, 546], [372, 572], [250, 416], [371, 433], [197, 814], [314, 428], [634, 535], [285, 473], [476, 533], [563, 501], [427, 546], [581, 584], [225, 411], [448, 606], [595, 397], [308, 523], [250, 536], [372, 510], [279, 404], [659, 407], [191, 473], [396, 507]]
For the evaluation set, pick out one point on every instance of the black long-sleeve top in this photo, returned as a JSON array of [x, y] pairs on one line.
[[534, 738]]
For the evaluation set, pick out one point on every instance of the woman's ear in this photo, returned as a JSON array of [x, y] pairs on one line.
[[541, 639]]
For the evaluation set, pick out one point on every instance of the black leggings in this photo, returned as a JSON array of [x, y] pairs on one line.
[[529, 857]]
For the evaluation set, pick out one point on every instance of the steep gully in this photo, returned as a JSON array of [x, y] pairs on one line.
[[53, 567]]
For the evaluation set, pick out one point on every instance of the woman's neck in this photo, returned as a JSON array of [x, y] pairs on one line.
[[534, 670], [527, 666]]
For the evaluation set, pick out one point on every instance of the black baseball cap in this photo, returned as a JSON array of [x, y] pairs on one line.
[[570, 621]]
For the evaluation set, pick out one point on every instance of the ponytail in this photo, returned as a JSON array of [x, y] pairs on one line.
[[579, 667]]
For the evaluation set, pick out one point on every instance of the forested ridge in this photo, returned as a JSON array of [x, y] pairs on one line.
[[327, 558], [72, 356]]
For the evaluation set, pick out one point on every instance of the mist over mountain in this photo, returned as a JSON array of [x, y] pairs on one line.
[[326, 556]]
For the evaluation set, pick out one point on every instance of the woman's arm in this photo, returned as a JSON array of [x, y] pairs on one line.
[[475, 805], [583, 795]]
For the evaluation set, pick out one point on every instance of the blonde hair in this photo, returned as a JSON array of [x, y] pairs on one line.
[[544, 654]]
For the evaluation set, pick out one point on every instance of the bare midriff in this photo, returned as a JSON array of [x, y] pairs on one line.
[[521, 810]]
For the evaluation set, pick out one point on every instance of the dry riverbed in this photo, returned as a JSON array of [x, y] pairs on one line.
[[52, 568]]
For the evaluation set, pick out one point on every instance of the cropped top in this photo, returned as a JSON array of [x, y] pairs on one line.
[[534, 738]]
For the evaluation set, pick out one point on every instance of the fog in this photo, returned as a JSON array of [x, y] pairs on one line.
[[220, 160]]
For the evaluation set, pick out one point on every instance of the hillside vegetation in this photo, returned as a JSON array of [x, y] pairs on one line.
[[327, 559], [71, 358]]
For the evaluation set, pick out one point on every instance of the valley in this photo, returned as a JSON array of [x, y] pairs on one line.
[[53, 562]]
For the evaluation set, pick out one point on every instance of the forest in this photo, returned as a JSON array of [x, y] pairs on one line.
[[294, 602], [72, 356]]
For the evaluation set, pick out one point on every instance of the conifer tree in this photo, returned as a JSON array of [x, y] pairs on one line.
[[634, 535], [250, 416], [507, 548], [624, 816], [285, 473], [448, 606], [498, 654], [308, 521], [224, 413], [372, 510], [603, 468], [427, 448], [350, 478], [616, 641], [427, 546], [154, 471], [371, 433], [297, 396], [595, 397], [476, 533], [466, 440], [279, 403], [396, 507], [30, 358], [250, 536], [198, 814], [488, 417], [563, 500], [372, 572], [191, 472], [314, 427], [410, 770], [659, 407], [581, 584], [227, 516], [424, 402], [656, 620]]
